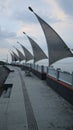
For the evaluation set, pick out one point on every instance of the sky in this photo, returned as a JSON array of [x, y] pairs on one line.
[[15, 18]]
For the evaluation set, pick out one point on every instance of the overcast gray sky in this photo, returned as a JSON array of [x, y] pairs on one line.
[[16, 18]]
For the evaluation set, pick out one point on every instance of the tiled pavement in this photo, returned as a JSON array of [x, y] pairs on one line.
[[33, 105]]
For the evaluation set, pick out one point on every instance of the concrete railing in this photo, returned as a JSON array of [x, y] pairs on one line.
[[56, 73], [61, 75], [65, 77]]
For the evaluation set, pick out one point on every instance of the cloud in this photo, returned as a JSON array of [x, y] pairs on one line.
[[5, 7], [56, 10], [3, 54], [67, 6], [4, 44], [22, 16], [2, 9], [5, 34]]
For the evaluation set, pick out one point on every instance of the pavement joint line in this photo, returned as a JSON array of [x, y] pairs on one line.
[[32, 124]]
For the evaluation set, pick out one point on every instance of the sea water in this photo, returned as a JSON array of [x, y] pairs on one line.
[[64, 64]]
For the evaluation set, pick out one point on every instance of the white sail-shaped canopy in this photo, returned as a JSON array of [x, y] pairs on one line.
[[21, 56], [37, 51], [15, 55], [28, 55], [57, 49]]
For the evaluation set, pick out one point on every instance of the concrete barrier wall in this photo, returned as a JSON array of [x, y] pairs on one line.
[[3, 76], [65, 90], [40, 75]]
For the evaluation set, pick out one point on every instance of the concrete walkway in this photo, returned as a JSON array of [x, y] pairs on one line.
[[33, 105]]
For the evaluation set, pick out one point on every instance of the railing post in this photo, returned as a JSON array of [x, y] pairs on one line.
[[34, 66], [57, 74], [37, 67], [30, 66], [47, 69], [72, 79], [42, 68]]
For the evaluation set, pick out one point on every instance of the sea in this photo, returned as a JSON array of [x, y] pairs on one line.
[[64, 64]]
